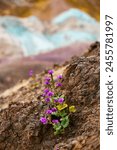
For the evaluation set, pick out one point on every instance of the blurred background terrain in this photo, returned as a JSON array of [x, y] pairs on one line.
[[47, 9], [35, 34]]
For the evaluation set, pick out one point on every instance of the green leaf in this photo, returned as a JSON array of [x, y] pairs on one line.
[[56, 114], [62, 113], [55, 97], [57, 126], [65, 122], [56, 132], [62, 96]]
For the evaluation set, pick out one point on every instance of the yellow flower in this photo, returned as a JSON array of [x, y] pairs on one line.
[[72, 109], [62, 106]]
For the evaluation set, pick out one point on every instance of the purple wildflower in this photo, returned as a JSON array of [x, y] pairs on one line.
[[46, 91], [47, 99], [47, 83], [50, 72], [61, 100], [59, 77], [48, 111], [50, 94], [43, 120], [54, 109], [47, 79], [31, 73], [55, 121], [43, 95], [59, 84], [55, 100]]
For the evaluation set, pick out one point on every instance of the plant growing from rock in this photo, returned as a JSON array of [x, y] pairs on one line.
[[58, 111]]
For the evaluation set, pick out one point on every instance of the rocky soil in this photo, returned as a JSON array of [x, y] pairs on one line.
[[20, 108]]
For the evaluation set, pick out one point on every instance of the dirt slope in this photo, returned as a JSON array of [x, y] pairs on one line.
[[20, 109]]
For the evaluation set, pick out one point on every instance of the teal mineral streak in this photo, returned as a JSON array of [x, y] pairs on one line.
[[78, 14], [31, 42], [34, 42], [61, 39]]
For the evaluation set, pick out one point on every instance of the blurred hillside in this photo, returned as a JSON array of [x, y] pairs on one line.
[[47, 9], [35, 34]]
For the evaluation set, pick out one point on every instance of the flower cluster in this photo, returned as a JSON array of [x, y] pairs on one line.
[[58, 111]]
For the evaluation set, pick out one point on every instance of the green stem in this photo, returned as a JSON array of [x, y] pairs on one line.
[[52, 81]]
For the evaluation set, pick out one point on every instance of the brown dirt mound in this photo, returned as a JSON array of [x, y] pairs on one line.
[[19, 121]]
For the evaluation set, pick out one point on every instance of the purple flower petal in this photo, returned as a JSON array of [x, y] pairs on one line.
[[46, 83], [54, 109], [43, 120], [31, 73], [61, 100], [47, 100], [59, 77], [48, 111], [59, 84], [50, 94], [46, 91], [43, 95], [55, 121], [47, 79], [55, 100], [50, 72]]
